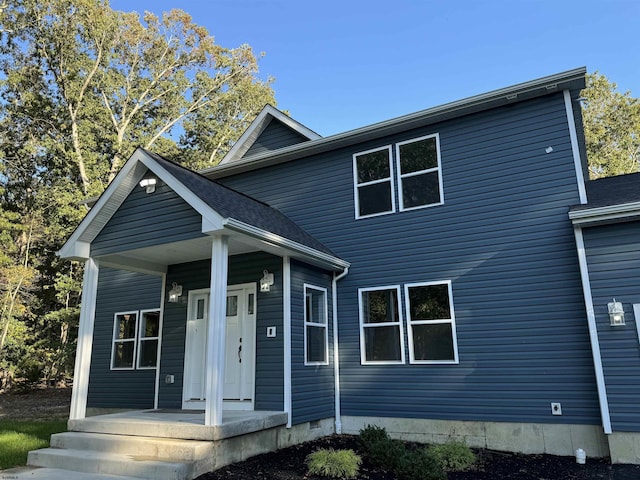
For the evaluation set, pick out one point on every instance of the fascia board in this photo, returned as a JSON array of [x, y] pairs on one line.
[[605, 214]]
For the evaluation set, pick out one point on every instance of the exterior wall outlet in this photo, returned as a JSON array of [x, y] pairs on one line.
[[556, 408], [169, 379], [271, 332]]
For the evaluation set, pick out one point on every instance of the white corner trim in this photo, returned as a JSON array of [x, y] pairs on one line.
[[636, 318], [593, 331], [574, 147], [286, 326], [160, 331], [82, 367], [336, 353]]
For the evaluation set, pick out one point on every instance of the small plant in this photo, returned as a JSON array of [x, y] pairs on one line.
[[419, 465], [453, 456], [372, 434], [334, 463]]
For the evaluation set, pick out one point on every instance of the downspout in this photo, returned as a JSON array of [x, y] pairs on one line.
[[336, 356], [593, 332]]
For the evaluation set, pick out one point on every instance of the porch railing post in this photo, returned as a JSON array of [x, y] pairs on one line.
[[216, 331]]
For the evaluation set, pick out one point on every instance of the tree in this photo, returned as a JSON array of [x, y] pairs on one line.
[[612, 128]]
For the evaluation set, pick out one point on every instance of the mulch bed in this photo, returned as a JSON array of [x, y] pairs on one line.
[[289, 464], [38, 404]]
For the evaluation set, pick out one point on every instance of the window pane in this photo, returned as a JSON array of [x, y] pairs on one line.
[[232, 305], [150, 324], [126, 326], [380, 306], [123, 355], [382, 344], [419, 155], [373, 166], [250, 300], [429, 302], [316, 350], [433, 342], [421, 189], [315, 304], [200, 309], [375, 198], [148, 353]]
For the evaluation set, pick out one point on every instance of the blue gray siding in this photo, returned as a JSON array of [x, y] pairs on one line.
[[312, 387], [119, 291], [275, 136], [269, 351], [146, 219], [613, 257], [502, 237]]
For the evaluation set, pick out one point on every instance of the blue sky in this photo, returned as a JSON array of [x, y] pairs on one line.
[[344, 64]]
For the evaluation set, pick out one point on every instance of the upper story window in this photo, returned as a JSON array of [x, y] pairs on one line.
[[373, 182], [419, 179], [418, 173], [381, 338], [315, 326]]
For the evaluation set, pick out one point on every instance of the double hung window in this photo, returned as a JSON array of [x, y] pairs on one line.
[[373, 184], [381, 339], [315, 326], [135, 340]]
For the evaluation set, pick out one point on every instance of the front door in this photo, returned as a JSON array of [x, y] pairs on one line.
[[239, 368]]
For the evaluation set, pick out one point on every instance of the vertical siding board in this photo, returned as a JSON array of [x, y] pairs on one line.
[[145, 219], [613, 258], [119, 291], [275, 136], [504, 239], [245, 268], [312, 386]]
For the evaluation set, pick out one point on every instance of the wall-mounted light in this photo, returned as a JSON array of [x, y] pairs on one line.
[[175, 293], [616, 313], [149, 184], [266, 281]]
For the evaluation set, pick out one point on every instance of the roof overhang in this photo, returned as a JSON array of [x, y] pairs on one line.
[[607, 214], [573, 80]]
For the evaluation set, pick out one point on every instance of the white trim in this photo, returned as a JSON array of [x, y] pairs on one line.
[[216, 331], [390, 179], [574, 147], [82, 366], [286, 326], [603, 214], [324, 324], [398, 323], [451, 321], [141, 339], [636, 318], [131, 264], [419, 172], [259, 125], [593, 331], [336, 353], [133, 340], [156, 398]]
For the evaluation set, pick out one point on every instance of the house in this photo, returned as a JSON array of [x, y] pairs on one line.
[[445, 274]]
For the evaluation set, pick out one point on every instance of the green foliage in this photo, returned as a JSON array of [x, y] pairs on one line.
[[372, 434], [334, 463], [452, 456], [419, 465], [18, 438]]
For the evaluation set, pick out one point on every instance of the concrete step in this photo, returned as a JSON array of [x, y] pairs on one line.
[[157, 448], [30, 473], [90, 461]]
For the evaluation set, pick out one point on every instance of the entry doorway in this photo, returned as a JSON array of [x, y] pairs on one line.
[[239, 368]]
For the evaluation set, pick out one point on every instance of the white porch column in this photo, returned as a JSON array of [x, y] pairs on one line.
[[216, 331], [85, 341]]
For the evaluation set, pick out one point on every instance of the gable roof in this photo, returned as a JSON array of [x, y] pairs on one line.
[[221, 208], [572, 80], [259, 124]]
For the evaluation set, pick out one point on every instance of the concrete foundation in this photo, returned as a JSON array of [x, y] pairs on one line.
[[624, 447], [508, 437]]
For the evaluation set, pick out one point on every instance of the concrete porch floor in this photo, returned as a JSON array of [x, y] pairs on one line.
[[179, 424]]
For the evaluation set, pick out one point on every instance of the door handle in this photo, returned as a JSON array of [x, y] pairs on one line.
[[240, 354]]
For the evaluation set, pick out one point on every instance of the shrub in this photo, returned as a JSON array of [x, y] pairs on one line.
[[419, 465], [334, 463], [383, 450], [453, 455], [372, 434]]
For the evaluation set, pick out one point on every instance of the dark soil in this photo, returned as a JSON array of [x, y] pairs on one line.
[[37, 404], [289, 464]]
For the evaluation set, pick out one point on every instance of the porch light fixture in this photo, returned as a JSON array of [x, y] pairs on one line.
[[149, 184], [175, 293], [616, 313], [266, 281]]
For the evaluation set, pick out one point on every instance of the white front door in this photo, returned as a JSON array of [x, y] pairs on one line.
[[239, 368]]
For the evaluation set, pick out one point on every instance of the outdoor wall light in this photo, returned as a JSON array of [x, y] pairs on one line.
[[175, 293], [266, 281], [616, 313], [149, 184]]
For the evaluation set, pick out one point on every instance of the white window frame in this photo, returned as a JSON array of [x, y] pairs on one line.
[[411, 322], [325, 325], [399, 324], [419, 172], [115, 340], [390, 179], [141, 338]]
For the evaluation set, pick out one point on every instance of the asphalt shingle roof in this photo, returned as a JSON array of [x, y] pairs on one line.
[[609, 191]]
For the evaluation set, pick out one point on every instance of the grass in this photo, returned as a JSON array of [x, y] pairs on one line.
[[17, 438]]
